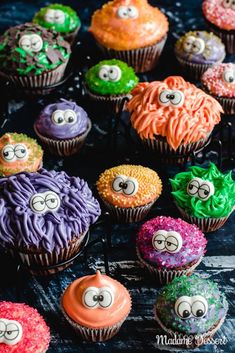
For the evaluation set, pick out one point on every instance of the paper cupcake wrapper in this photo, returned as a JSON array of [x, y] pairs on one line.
[[31, 258], [70, 37], [142, 59], [227, 103], [164, 275], [64, 148], [128, 215], [195, 340], [227, 37]]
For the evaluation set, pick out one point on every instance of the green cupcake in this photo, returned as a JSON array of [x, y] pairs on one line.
[[60, 18], [205, 197]]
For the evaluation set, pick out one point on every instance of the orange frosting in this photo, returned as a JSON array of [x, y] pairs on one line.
[[189, 122], [73, 302], [148, 27], [149, 186]]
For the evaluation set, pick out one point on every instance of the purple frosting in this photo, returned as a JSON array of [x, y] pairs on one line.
[[47, 127], [21, 226]]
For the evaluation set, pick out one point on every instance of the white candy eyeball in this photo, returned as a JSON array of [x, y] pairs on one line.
[[38, 204], [118, 183], [48, 201], [8, 153], [58, 117], [163, 98], [187, 44], [25, 42], [130, 187], [52, 201], [158, 240], [203, 189], [173, 242], [122, 12], [70, 116], [36, 43], [21, 151], [115, 73], [227, 3], [49, 16], [90, 297], [103, 73], [193, 186], [183, 307], [10, 332], [132, 12], [177, 99], [229, 76], [199, 306], [198, 46], [59, 17], [2, 328], [106, 297]]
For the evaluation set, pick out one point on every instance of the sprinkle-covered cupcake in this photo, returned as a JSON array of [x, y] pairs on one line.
[[205, 197], [219, 81], [110, 81], [131, 30], [45, 217], [198, 50], [63, 127], [191, 309], [96, 306], [220, 16], [60, 18], [173, 117], [22, 329], [19, 153], [170, 247], [32, 56], [129, 191]]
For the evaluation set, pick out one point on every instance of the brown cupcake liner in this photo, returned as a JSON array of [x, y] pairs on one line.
[[227, 37], [37, 259], [164, 275], [142, 59], [64, 148], [128, 215], [227, 103]]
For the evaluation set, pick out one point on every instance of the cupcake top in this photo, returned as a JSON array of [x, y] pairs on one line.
[[45, 210], [174, 109], [200, 47], [220, 80], [19, 153], [129, 185], [58, 17], [62, 120], [30, 49], [96, 301], [204, 192], [221, 13], [128, 24], [166, 242], [111, 77], [190, 305], [22, 329]]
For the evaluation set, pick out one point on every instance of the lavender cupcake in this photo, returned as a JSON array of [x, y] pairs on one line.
[[45, 217], [196, 51], [63, 127]]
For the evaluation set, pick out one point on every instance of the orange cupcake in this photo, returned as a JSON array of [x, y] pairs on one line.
[[96, 306], [19, 153], [129, 191], [132, 31]]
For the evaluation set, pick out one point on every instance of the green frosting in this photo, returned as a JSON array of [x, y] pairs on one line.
[[125, 84], [70, 22], [190, 286], [220, 204]]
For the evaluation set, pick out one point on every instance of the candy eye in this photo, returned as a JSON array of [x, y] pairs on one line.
[[198, 46], [90, 297], [70, 116], [206, 190], [59, 17], [229, 76], [193, 186], [36, 42], [122, 12], [106, 297], [164, 98], [58, 117], [25, 43], [8, 153], [132, 12], [115, 73], [12, 333], [21, 151], [52, 201], [49, 16], [176, 99], [130, 187], [187, 44], [199, 306], [2, 329], [183, 307], [158, 240], [118, 183], [173, 242], [37, 204], [103, 73], [226, 3]]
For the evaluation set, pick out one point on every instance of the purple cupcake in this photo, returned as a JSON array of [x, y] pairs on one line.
[[170, 247], [196, 51], [45, 216], [63, 127]]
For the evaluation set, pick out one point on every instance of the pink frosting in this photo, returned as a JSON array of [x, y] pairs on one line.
[[217, 14], [213, 80]]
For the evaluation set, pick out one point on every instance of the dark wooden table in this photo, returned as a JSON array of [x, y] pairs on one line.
[[17, 114]]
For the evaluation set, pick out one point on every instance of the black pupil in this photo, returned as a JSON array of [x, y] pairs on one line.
[[22, 151], [206, 192], [52, 200], [199, 313], [97, 298], [159, 241], [186, 313], [71, 119], [41, 202], [9, 332], [170, 96], [60, 120], [190, 187], [231, 78], [123, 185], [168, 243], [111, 71], [6, 154]]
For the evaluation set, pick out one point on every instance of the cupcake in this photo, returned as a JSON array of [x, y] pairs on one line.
[[173, 117], [22, 329], [45, 217], [198, 50], [129, 191], [191, 310], [170, 247], [219, 81], [62, 127], [96, 306], [109, 82], [19, 153], [132, 31], [60, 18], [220, 16], [33, 57], [205, 197]]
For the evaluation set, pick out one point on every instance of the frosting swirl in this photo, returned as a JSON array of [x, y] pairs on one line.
[[219, 14]]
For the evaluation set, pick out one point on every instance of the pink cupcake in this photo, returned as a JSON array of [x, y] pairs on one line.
[[170, 247]]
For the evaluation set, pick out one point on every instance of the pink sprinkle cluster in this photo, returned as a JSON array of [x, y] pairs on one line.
[[216, 13], [213, 80], [36, 334]]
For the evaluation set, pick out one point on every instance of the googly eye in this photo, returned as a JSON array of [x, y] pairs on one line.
[[187, 44], [206, 190], [58, 117], [132, 12], [130, 187], [59, 17], [21, 151], [122, 12], [158, 240], [198, 46], [25, 43], [163, 98], [8, 153], [70, 116], [103, 73], [173, 242], [115, 73], [49, 16], [183, 307], [226, 3], [13, 333], [106, 297], [176, 99], [90, 297], [37, 203], [36, 43], [229, 76], [193, 186], [118, 182], [52, 201], [2, 329]]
